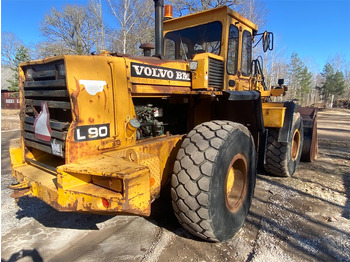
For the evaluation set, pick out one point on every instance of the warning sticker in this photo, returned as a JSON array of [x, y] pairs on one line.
[[42, 129]]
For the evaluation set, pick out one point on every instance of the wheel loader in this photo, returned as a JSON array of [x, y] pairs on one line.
[[105, 133]]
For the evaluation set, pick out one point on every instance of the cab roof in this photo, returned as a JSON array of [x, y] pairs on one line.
[[207, 16]]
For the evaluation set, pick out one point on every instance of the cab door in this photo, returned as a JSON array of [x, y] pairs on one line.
[[239, 57]]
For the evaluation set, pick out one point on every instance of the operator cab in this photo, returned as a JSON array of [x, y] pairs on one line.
[[218, 31]]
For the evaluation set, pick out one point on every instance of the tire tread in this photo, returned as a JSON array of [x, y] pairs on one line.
[[277, 153], [191, 201]]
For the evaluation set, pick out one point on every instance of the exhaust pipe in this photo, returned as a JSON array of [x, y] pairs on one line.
[[159, 6]]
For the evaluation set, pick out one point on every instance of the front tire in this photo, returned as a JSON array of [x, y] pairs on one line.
[[282, 158], [214, 179]]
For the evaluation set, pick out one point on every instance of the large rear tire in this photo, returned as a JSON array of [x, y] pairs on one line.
[[282, 158], [214, 179]]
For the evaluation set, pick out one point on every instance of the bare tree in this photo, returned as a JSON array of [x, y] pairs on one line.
[[10, 43], [143, 30], [135, 19], [125, 13], [275, 67], [254, 10], [95, 11], [338, 62], [74, 30], [46, 49], [183, 7]]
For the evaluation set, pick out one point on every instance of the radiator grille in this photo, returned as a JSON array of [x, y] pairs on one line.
[[216, 73], [47, 83]]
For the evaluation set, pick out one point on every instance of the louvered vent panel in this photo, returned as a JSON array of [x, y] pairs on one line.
[[216, 73]]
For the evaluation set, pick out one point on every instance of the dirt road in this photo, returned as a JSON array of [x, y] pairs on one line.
[[303, 218]]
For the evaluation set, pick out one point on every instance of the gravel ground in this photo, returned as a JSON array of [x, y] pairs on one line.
[[303, 218], [9, 119]]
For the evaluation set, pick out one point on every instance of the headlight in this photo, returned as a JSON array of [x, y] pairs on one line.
[[193, 65], [29, 74]]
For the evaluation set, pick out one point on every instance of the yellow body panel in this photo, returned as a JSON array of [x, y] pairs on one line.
[[273, 114], [277, 92], [200, 78], [129, 179], [102, 107], [16, 153]]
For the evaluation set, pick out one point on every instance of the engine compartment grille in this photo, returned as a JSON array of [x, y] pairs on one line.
[[216, 73], [46, 83]]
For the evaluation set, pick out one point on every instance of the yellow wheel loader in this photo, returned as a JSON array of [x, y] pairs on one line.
[[104, 133]]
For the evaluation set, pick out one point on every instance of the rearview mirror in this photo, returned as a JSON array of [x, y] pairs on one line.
[[267, 41]]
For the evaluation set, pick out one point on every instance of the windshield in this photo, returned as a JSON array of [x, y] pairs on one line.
[[184, 43]]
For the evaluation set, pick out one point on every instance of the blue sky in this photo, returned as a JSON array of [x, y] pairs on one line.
[[315, 29]]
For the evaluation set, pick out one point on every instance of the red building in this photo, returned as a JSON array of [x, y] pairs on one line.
[[9, 99]]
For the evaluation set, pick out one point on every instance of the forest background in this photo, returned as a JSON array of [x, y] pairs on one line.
[[82, 30]]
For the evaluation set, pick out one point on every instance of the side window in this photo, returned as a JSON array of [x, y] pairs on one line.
[[232, 55], [246, 53], [169, 49]]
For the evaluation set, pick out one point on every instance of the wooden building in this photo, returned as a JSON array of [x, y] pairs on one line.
[[9, 99]]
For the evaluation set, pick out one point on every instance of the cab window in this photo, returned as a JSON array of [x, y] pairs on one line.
[[232, 55], [246, 53], [184, 43]]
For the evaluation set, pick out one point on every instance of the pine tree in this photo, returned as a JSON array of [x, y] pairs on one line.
[[334, 82], [300, 78], [338, 83], [295, 70], [21, 55], [305, 81]]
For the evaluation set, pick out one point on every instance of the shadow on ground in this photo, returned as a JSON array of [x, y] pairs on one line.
[[50, 217]]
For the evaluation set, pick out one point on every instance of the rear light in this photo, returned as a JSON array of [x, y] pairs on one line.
[[152, 181], [105, 202]]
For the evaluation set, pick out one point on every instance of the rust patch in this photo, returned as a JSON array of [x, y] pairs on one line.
[[104, 93], [74, 99], [20, 193]]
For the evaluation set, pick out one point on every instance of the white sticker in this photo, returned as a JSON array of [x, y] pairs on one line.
[[56, 148], [42, 129], [93, 86]]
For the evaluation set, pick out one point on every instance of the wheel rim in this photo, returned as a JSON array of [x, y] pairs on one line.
[[236, 183], [295, 144]]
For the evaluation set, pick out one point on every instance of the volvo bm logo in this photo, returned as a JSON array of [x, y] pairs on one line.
[[157, 72]]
